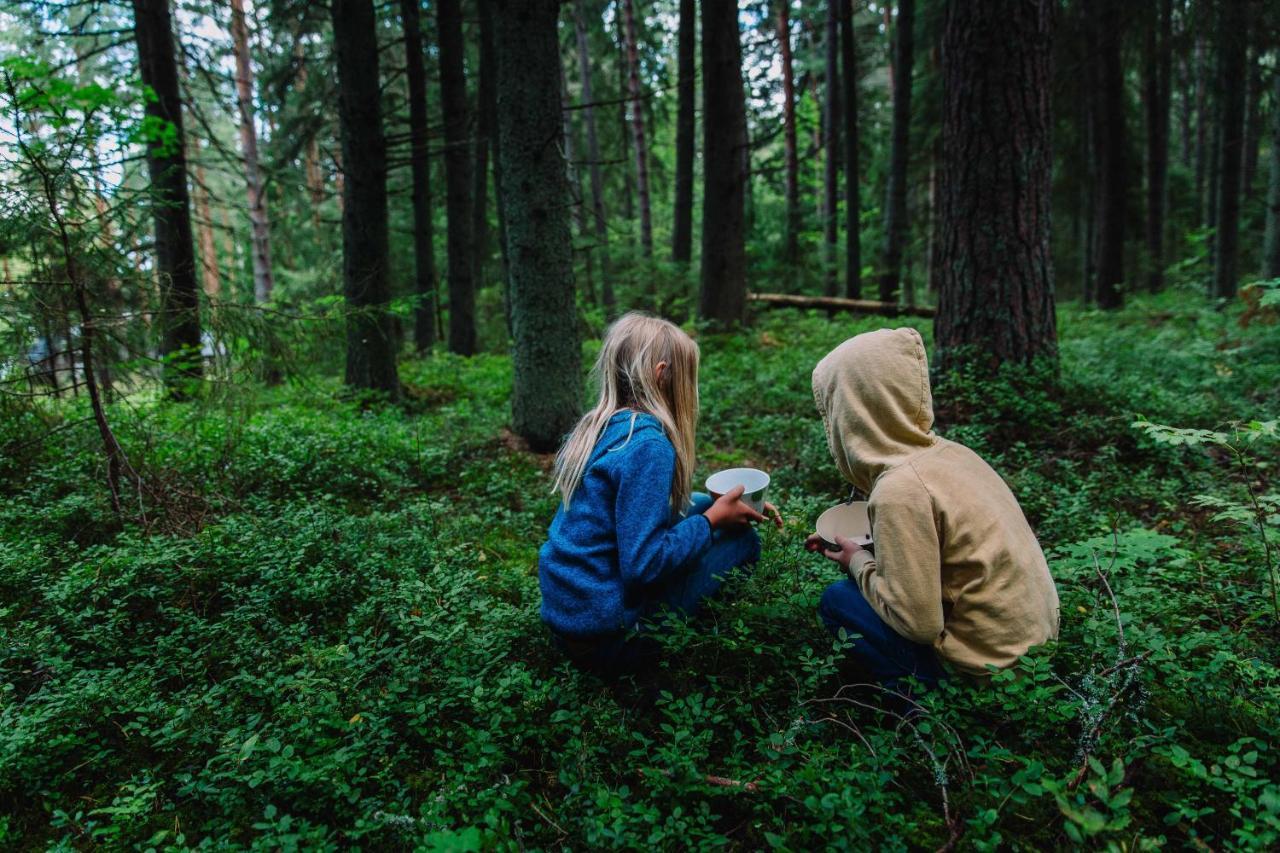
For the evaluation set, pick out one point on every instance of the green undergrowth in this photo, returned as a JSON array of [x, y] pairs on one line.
[[318, 627]]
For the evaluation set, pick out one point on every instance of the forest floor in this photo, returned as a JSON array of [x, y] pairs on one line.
[[328, 635]]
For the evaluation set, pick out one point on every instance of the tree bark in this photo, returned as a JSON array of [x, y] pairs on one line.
[[260, 228], [1202, 118], [724, 261], [486, 117], [170, 202], [637, 129], [371, 357], [1252, 124], [458, 187], [895, 209], [1106, 19], [210, 274], [852, 170], [838, 303], [791, 242], [546, 396], [593, 153], [1271, 247], [424, 252], [1157, 85], [574, 180], [831, 148], [686, 132], [995, 288], [1232, 34]]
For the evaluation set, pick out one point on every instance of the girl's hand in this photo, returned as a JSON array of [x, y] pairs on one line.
[[771, 510], [842, 555], [729, 511]]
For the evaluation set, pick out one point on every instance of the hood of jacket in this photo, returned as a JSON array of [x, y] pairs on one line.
[[873, 394]]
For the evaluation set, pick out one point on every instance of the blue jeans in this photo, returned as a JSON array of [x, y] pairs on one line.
[[684, 591], [888, 656]]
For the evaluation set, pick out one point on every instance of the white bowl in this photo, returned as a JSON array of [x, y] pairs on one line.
[[753, 480], [849, 520]]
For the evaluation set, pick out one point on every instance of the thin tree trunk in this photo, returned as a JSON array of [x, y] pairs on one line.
[[311, 157], [210, 275], [546, 395], [791, 242], [486, 108], [724, 262], [575, 188], [171, 204], [424, 253], [831, 148], [1156, 88], [593, 153], [637, 128], [263, 282], [895, 215], [458, 185], [1252, 124], [852, 169], [1234, 21], [1106, 18], [371, 356], [1202, 121], [1271, 249], [686, 132], [996, 291]]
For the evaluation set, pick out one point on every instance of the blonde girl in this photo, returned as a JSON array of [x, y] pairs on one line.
[[629, 538]]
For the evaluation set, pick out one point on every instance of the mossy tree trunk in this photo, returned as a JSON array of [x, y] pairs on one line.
[[995, 288], [371, 357], [546, 398]]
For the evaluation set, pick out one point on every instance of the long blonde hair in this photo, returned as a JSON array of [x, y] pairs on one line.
[[626, 372]]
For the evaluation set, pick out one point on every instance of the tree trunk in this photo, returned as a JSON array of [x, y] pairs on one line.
[[260, 228], [1233, 39], [1252, 124], [424, 252], [1271, 248], [852, 170], [486, 116], [995, 293], [574, 179], [1105, 17], [593, 153], [1157, 69], [831, 148], [171, 205], [637, 128], [724, 261], [1202, 120], [895, 209], [371, 356], [791, 242], [546, 396], [210, 275], [457, 169], [686, 133]]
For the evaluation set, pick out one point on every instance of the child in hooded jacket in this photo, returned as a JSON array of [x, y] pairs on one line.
[[629, 538], [957, 575]]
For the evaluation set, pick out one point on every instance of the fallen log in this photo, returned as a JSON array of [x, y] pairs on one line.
[[838, 303]]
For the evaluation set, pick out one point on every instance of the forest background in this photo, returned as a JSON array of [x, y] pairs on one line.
[[295, 298]]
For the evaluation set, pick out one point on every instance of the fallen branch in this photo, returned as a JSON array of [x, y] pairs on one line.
[[838, 303], [719, 781]]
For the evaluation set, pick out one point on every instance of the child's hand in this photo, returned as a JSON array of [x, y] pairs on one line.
[[730, 511], [771, 510], [842, 555]]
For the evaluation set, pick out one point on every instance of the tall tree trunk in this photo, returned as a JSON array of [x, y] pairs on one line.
[[724, 260], [457, 172], [371, 356], [489, 108], [852, 169], [210, 275], [686, 132], [546, 396], [1253, 122], [1202, 119], [637, 128], [1233, 40], [1157, 69], [593, 153], [576, 203], [895, 209], [791, 242], [424, 252], [995, 293], [831, 148], [1271, 248], [1111, 137], [260, 228], [171, 205], [486, 109]]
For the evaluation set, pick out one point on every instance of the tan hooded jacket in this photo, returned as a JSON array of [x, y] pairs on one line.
[[956, 564]]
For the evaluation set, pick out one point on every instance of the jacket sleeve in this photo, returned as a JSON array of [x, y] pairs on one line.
[[902, 581], [649, 546]]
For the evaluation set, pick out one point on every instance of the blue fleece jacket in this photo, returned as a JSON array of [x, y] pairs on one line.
[[618, 536]]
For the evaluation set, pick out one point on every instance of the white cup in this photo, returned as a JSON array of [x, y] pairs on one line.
[[753, 480]]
